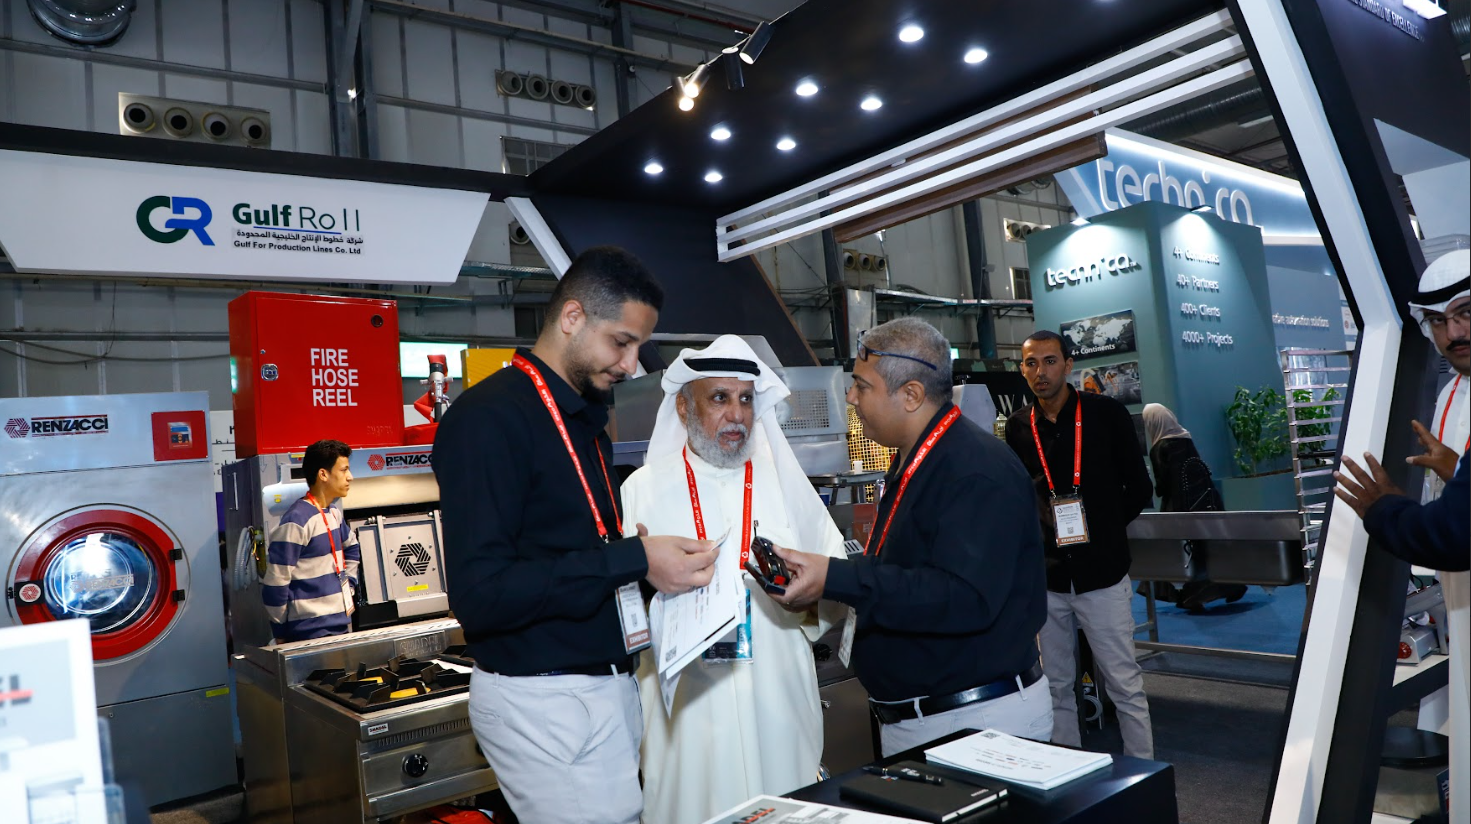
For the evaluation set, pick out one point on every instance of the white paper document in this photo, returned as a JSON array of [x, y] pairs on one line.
[[687, 624], [768, 809], [1017, 760]]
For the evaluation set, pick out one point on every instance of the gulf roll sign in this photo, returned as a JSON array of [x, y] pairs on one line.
[[156, 219]]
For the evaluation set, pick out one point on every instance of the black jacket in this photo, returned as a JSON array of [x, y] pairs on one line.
[[530, 581], [1436, 534], [1181, 479], [1115, 486], [955, 596]]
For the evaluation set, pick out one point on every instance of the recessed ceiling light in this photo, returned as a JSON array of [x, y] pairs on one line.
[[713, 176], [653, 168], [975, 56], [911, 33], [720, 133], [686, 103], [786, 144], [871, 103], [806, 88]]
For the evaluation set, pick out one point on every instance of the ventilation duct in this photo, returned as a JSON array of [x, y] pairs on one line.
[[537, 87], [519, 235], [84, 22], [1224, 108], [144, 116]]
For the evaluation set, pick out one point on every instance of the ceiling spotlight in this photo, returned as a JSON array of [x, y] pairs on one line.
[[713, 176], [806, 88], [720, 133], [786, 144], [911, 33], [975, 56], [751, 49], [735, 74], [871, 104], [692, 83], [686, 103], [1081, 221], [1428, 9], [653, 168], [1203, 209]]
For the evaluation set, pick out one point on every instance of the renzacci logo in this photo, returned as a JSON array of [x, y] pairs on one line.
[[176, 227]]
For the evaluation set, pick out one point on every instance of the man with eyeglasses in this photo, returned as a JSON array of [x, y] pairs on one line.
[[1085, 462], [1443, 310], [949, 594]]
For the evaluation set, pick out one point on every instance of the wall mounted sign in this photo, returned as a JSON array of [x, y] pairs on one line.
[[1101, 335], [1091, 270], [1138, 169], [156, 219], [1119, 381]]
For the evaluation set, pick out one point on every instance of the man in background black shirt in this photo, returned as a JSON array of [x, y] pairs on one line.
[[949, 594], [539, 576], [1086, 506]]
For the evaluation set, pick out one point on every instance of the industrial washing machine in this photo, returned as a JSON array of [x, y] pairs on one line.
[[107, 514]]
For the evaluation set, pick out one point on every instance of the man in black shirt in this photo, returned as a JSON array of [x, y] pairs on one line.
[[1086, 500], [540, 578], [950, 593]]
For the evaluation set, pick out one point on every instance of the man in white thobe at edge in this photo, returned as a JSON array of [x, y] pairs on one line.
[[1443, 291], [742, 728]]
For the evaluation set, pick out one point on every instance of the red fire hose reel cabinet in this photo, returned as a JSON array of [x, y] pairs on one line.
[[307, 367]]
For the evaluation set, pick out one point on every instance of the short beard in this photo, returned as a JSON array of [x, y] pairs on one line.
[[579, 375], [716, 455]]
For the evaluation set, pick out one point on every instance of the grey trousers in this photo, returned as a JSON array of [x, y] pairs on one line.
[[564, 747], [1025, 714], [1107, 620]]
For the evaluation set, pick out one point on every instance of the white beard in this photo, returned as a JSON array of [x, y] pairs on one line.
[[717, 455]]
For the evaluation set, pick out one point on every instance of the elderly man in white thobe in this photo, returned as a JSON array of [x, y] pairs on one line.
[[744, 717]]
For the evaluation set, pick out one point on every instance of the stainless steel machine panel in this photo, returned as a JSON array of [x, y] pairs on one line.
[[403, 562], [106, 514]]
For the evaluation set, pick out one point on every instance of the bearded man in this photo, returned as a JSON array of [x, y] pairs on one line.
[[744, 719]]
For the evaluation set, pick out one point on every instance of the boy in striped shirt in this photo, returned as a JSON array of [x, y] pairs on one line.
[[313, 558]]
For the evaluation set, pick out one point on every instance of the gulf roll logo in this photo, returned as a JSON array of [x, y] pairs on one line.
[[191, 215]]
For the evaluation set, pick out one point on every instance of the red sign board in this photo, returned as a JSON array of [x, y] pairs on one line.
[[311, 367]]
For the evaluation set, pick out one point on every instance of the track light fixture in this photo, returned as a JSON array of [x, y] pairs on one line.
[[686, 103], [752, 48], [735, 75], [692, 83]]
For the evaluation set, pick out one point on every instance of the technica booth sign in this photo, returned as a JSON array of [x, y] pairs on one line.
[[158, 219]]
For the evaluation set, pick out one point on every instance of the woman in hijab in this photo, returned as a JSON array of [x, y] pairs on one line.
[[1183, 482]]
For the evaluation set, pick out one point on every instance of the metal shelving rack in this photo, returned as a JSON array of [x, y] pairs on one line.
[[1319, 372]]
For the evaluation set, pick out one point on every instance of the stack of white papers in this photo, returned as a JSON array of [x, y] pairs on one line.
[[769, 809], [1017, 760], [687, 624]]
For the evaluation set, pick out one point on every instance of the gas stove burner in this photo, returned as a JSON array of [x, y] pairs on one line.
[[397, 682]]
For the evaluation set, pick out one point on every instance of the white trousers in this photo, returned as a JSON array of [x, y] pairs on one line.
[[1107, 619], [564, 747], [1025, 714]]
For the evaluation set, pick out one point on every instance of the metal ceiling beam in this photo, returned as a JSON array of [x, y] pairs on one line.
[[527, 34]]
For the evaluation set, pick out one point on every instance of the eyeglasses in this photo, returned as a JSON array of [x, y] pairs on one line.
[[1462, 315], [864, 352]]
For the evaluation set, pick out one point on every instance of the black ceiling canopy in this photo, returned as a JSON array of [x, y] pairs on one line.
[[851, 49]]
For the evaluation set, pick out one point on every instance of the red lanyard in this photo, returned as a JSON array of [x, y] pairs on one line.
[[689, 474], [551, 404], [331, 541], [924, 450], [1449, 402], [1077, 450]]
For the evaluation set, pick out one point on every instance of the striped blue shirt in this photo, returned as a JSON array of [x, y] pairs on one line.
[[302, 592]]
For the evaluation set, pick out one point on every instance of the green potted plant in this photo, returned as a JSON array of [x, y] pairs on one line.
[[1258, 423]]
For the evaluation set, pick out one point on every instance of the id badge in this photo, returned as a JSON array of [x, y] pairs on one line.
[[347, 605], [632, 618], [1069, 520], [850, 629], [737, 650]]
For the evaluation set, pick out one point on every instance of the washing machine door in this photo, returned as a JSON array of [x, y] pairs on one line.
[[117, 568]]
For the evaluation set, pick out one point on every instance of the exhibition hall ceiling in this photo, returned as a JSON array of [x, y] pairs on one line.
[[878, 72]]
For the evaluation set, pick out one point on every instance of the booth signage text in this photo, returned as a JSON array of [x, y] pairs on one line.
[[1093, 270], [156, 219]]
